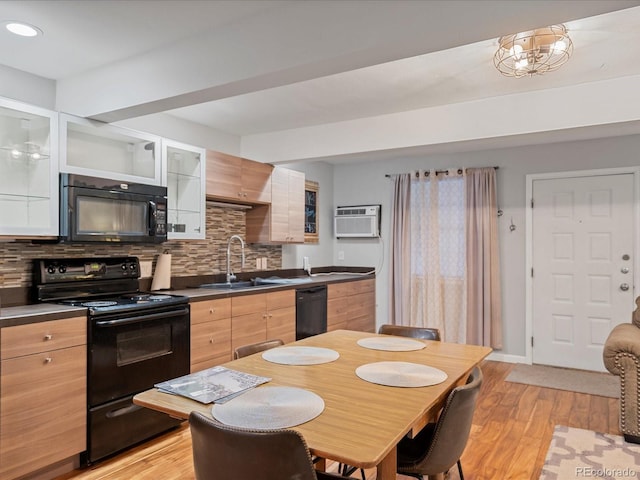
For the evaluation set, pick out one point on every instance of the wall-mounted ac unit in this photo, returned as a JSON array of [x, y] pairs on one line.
[[357, 221]]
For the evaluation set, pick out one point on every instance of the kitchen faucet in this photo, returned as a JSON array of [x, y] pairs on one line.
[[230, 275]]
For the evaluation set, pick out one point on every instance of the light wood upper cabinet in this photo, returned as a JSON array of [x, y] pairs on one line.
[[237, 179], [28, 170], [283, 220], [43, 390]]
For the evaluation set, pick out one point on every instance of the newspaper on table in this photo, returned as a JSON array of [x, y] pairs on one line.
[[217, 384]]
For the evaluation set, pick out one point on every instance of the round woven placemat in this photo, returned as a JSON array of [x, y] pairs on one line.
[[391, 344], [266, 408], [300, 355], [401, 374]]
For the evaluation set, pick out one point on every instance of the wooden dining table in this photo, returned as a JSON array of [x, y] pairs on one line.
[[362, 422]]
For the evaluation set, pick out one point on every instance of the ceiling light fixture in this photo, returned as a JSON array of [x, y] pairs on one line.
[[23, 29], [533, 52]]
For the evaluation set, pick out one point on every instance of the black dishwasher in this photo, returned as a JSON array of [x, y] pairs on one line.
[[311, 311]]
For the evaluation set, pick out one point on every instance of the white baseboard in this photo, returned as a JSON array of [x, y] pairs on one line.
[[505, 357]]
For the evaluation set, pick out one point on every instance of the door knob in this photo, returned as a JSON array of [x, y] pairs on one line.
[[624, 287]]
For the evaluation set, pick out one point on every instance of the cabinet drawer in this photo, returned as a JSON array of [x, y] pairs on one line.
[[23, 340], [210, 343], [210, 310], [42, 409]]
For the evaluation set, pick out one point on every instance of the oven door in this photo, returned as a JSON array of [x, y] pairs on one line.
[[129, 353]]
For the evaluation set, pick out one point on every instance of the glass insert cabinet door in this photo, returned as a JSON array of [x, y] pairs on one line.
[[100, 149], [311, 206], [28, 170], [185, 179]]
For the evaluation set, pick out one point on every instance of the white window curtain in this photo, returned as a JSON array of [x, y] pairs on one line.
[[435, 220], [438, 253]]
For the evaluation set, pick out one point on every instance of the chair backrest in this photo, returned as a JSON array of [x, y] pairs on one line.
[[423, 333], [246, 350], [452, 429], [221, 452]]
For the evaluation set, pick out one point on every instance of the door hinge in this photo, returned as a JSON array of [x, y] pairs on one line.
[[531, 271], [531, 202], [532, 341]]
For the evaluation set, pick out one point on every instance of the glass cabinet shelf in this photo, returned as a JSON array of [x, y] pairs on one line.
[[99, 149], [185, 181], [28, 170]]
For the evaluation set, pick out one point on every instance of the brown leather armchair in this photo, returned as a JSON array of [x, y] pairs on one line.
[[221, 452], [621, 357]]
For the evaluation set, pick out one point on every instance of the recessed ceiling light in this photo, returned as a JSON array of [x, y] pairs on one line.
[[23, 29]]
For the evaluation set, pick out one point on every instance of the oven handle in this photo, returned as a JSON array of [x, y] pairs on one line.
[[123, 411], [141, 318]]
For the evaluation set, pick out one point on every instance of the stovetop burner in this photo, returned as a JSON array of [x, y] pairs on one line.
[[98, 304]]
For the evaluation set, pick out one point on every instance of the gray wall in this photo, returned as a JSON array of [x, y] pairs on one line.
[[364, 183]]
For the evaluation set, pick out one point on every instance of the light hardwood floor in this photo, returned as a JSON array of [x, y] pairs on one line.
[[512, 428]]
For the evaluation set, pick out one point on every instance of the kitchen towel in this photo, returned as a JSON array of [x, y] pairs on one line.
[[162, 275]]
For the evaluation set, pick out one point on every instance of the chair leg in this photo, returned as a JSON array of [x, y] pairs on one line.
[[460, 470]]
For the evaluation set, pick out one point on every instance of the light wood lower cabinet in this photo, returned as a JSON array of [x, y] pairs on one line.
[[352, 305], [210, 333], [258, 317], [43, 369]]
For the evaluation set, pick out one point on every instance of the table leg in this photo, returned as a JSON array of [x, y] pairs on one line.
[[437, 476], [386, 469]]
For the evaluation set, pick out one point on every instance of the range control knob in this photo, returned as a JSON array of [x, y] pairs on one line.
[[62, 268], [123, 266], [51, 269], [132, 266]]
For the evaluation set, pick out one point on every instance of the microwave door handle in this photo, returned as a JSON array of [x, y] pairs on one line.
[[153, 217]]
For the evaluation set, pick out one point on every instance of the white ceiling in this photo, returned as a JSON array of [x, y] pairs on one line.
[[83, 40]]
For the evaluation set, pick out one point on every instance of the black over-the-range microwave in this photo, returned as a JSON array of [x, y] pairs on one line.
[[105, 210]]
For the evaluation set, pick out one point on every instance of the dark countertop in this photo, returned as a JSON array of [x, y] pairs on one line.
[[42, 312]]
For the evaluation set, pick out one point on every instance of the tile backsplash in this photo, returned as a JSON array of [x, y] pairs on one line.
[[189, 257]]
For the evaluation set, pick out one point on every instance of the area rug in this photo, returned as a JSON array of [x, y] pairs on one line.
[[582, 381], [578, 453]]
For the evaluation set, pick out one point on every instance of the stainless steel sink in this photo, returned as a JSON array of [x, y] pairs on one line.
[[229, 285]]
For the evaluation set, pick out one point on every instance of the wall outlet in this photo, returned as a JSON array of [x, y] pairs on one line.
[[258, 263], [341, 255], [146, 269], [264, 263]]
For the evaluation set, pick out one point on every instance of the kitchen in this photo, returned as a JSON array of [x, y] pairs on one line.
[[206, 257]]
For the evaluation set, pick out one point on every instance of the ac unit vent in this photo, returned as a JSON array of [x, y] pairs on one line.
[[357, 221]]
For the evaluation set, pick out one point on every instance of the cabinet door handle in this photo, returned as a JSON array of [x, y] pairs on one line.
[[48, 336], [48, 360], [211, 340], [212, 310]]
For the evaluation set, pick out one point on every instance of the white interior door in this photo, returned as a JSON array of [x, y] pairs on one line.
[[583, 276]]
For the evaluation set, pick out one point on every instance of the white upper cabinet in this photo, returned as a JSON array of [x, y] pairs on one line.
[[100, 149], [28, 170], [185, 176]]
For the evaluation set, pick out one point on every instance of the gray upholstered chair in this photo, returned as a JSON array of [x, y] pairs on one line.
[[621, 356], [221, 452], [246, 350], [424, 333], [439, 446]]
